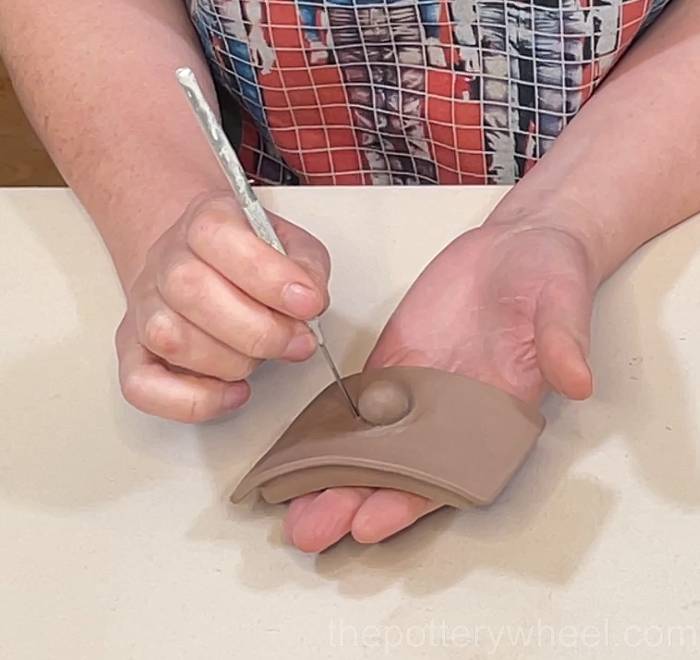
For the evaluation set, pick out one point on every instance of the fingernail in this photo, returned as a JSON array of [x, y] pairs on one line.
[[299, 299], [235, 396], [300, 347]]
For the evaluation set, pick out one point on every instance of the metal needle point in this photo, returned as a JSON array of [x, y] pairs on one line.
[[316, 329], [254, 212]]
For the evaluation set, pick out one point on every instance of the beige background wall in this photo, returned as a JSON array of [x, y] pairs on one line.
[[23, 161]]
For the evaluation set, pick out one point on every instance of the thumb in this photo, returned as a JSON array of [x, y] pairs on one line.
[[307, 251], [562, 336]]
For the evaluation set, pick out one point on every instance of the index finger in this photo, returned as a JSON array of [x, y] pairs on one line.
[[220, 235]]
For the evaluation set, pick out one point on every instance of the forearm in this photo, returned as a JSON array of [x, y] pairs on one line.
[[97, 82], [628, 166]]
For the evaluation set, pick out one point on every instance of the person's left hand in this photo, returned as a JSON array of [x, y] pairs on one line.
[[505, 305]]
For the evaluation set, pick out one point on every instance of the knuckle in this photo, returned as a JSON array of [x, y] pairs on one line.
[[184, 282], [134, 388], [266, 340], [203, 227], [241, 368], [161, 335]]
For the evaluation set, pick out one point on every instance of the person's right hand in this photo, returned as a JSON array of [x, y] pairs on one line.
[[211, 302]]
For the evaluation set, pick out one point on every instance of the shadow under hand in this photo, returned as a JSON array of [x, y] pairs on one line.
[[643, 391], [60, 448], [541, 527], [548, 519]]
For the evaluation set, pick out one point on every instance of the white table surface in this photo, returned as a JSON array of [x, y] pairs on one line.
[[118, 540]]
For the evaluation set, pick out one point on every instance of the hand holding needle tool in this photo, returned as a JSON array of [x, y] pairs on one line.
[[253, 210]]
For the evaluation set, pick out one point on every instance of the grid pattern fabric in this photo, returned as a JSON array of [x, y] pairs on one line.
[[410, 92]]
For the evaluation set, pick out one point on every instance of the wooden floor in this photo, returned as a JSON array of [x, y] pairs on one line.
[[23, 161]]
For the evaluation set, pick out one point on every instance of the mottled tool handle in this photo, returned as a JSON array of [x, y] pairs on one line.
[[226, 155]]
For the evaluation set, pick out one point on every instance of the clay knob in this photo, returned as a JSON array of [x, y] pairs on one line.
[[384, 402]]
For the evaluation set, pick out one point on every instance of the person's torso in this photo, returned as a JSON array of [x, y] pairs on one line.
[[409, 91]]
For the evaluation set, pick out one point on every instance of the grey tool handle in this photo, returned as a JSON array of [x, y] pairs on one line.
[[259, 221]]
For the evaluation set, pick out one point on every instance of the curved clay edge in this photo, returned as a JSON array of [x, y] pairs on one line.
[[259, 480], [278, 490]]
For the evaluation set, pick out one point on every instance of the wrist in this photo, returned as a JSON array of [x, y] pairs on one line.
[[555, 212]]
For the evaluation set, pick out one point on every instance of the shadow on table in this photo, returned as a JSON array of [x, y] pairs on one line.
[[644, 397], [548, 519], [58, 401], [541, 528], [67, 439]]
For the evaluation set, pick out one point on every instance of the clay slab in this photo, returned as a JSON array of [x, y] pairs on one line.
[[460, 444]]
